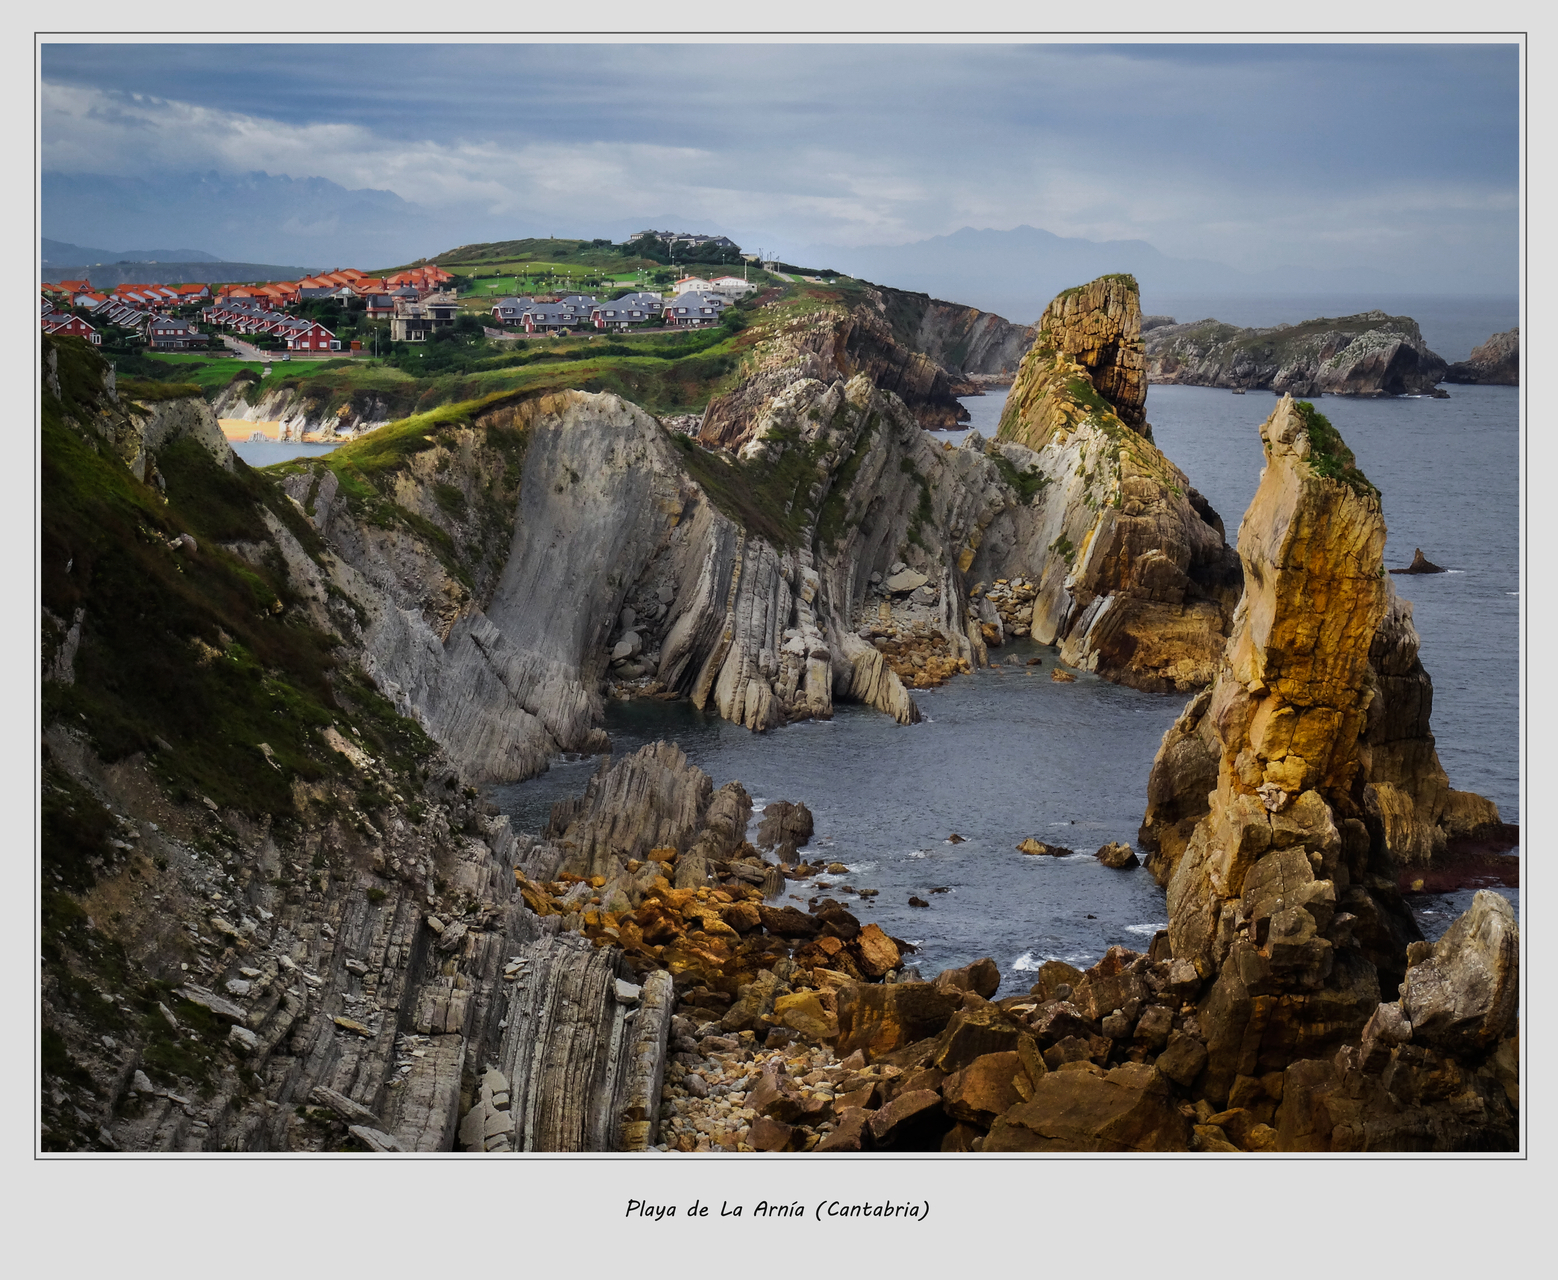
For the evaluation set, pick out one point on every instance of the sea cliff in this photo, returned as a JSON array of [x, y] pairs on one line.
[[1370, 354]]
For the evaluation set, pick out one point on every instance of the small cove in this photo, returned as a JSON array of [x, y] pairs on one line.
[[1007, 753]]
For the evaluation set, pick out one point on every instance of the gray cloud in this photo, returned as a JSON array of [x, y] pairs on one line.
[[1401, 157]]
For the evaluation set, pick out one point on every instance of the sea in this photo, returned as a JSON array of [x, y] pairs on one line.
[[265, 453], [1006, 753]]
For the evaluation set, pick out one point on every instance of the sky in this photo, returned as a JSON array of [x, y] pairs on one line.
[[1395, 158]]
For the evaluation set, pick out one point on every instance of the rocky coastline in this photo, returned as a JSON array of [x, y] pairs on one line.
[[1370, 354], [338, 945]]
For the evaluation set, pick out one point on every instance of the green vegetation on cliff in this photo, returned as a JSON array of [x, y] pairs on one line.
[[1329, 455], [194, 655]]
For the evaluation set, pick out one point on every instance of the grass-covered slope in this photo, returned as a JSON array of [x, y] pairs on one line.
[[193, 652]]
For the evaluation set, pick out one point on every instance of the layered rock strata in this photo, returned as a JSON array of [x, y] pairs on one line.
[[1321, 685], [1128, 568], [1370, 354], [1495, 363], [744, 583], [1313, 745]]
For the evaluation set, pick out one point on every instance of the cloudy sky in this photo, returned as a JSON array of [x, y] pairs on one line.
[[1397, 158]]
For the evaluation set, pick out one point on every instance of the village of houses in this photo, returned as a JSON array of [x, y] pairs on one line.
[[261, 321], [416, 302]]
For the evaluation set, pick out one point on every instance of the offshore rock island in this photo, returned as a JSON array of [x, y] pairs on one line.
[[1372, 354], [279, 915]]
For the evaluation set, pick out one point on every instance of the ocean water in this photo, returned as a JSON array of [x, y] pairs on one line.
[[1006, 753], [265, 453]]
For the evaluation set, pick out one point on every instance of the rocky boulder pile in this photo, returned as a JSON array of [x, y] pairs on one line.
[[656, 862], [1011, 601]]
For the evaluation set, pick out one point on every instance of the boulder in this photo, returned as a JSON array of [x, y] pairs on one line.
[[982, 977], [1053, 974], [803, 1012], [836, 921], [974, 1033], [743, 917], [776, 1097], [774, 1135], [787, 922], [983, 1089], [1463, 998], [1127, 1109], [1117, 856], [851, 1131], [904, 581], [1182, 1060], [880, 1018], [913, 1121], [753, 1001], [878, 954], [782, 821], [1039, 848]]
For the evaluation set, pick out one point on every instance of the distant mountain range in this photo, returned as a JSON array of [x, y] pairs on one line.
[[1015, 273], [108, 277], [59, 253]]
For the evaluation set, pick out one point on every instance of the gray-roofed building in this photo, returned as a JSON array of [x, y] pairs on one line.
[[692, 310]]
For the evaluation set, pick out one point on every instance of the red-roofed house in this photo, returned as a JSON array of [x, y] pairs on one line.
[[70, 326]]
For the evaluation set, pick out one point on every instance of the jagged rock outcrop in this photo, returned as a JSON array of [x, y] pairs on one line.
[[837, 342], [1370, 354], [1495, 363], [1437, 1070], [1283, 898], [1420, 564], [1132, 576], [1322, 672]]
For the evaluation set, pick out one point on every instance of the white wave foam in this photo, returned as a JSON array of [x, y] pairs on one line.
[[1025, 963], [919, 853], [1455, 571], [1148, 929], [859, 868]]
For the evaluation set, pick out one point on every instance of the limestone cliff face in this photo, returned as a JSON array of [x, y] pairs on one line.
[[1495, 363], [1283, 895], [1371, 354], [620, 563], [1134, 578], [975, 345]]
